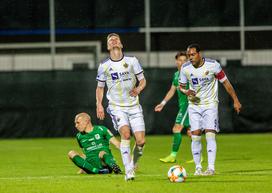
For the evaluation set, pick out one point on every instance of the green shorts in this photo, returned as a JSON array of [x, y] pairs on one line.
[[96, 161], [183, 117]]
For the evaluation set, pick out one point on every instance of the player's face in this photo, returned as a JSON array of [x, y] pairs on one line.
[[194, 56], [80, 124], [180, 60], [114, 42]]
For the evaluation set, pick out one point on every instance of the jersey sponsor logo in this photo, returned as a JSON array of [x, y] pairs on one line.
[[114, 76], [203, 79], [194, 81]]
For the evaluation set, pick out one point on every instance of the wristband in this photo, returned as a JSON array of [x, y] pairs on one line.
[[163, 102]]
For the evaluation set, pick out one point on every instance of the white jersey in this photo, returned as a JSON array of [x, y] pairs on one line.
[[120, 77], [203, 80]]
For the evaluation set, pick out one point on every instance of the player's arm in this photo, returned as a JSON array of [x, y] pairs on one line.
[[142, 84], [167, 97], [115, 142], [99, 98], [230, 90]]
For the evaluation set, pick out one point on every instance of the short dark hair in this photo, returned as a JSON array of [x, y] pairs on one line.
[[196, 46], [180, 53]]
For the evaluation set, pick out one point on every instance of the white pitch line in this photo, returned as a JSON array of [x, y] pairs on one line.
[[63, 177]]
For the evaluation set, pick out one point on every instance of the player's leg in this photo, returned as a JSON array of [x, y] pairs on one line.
[[211, 125], [83, 163], [138, 147], [121, 123], [177, 138], [136, 120], [125, 152], [196, 146], [109, 160]]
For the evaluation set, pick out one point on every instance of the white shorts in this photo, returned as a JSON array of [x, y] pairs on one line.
[[203, 117], [132, 116]]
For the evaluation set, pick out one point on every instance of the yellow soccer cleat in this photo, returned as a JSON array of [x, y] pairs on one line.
[[168, 159]]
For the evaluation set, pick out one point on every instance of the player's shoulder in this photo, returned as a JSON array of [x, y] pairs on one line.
[[78, 135], [100, 127], [210, 61], [186, 65], [105, 61], [130, 58]]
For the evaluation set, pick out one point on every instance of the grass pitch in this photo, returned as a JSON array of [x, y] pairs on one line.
[[243, 165]]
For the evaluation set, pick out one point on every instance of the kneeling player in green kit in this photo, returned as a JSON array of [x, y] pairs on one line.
[[94, 141]]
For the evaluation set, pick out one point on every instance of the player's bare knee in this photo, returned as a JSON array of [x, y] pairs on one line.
[[196, 132], [101, 154], [140, 142], [72, 154]]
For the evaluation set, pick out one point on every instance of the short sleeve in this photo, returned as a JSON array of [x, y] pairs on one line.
[[107, 133], [137, 68], [101, 77], [219, 73], [182, 77]]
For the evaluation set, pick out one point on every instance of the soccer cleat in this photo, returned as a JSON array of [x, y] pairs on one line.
[[209, 172], [192, 161], [104, 171], [198, 172], [168, 159], [130, 175], [116, 169]]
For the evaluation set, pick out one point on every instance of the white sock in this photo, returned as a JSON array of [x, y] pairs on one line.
[[196, 150], [137, 153], [125, 153], [211, 149]]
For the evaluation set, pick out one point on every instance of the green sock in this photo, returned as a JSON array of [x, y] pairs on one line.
[[108, 159], [176, 143], [83, 164]]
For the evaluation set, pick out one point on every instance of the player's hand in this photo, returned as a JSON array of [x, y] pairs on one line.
[[190, 92], [100, 112], [237, 106], [159, 107], [134, 92]]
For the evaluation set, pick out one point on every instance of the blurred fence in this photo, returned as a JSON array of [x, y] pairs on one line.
[[43, 104]]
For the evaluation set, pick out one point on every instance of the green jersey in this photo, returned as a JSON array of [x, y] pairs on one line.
[[182, 98], [95, 141]]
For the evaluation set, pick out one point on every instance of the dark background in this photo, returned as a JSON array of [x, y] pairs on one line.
[[43, 104]]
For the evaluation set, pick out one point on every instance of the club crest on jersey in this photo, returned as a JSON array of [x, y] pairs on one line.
[[125, 65], [194, 81], [114, 76], [207, 72]]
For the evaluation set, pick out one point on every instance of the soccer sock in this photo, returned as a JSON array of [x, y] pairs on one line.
[[125, 153], [211, 149], [176, 143], [83, 164], [196, 150], [137, 153]]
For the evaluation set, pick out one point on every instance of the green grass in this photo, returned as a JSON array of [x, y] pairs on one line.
[[244, 164]]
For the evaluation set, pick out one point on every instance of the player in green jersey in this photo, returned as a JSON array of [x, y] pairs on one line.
[[94, 141], [182, 119]]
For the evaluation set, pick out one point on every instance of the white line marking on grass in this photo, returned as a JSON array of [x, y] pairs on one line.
[[67, 177]]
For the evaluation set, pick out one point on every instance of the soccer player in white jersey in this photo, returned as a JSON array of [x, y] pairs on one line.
[[119, 72], [203, 75]]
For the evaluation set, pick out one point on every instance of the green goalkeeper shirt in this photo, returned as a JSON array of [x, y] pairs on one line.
[[95, 141], [182, 98]]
